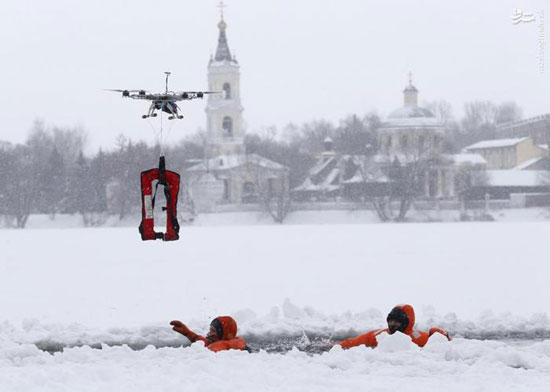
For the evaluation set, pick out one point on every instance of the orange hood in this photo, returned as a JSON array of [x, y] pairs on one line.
[[228, 327], [409, 311]]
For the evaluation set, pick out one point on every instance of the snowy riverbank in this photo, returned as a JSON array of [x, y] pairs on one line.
[[67, 289]]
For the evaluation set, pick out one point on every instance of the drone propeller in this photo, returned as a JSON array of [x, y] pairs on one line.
[[121, 91], [126, 93], [198, 92]]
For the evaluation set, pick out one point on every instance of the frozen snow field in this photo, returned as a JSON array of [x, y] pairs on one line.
[[73, 291]]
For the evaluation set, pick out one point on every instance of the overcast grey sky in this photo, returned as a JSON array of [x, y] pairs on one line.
[[300, 60]]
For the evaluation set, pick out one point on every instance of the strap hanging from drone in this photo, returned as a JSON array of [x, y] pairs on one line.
[[152, 179]]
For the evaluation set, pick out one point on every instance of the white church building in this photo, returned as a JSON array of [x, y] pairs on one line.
[[228, 175]]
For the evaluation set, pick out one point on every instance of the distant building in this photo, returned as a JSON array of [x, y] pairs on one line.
[[412, 134], [502, 154], [502, 184], [340, 175], [228, 174], [410, 129], [224, 123], [409, 135], [537, 128]]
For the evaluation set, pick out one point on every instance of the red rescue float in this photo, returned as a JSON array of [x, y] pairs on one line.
[[150, 180]]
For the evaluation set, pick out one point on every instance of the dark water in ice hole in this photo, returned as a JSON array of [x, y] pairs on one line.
[[311, 344]]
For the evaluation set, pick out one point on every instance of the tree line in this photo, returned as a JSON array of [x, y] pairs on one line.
[[50, 174]]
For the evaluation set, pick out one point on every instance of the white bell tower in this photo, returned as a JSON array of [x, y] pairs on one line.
[[224, 111]]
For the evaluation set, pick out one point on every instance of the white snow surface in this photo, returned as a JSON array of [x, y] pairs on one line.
[[105, 288]]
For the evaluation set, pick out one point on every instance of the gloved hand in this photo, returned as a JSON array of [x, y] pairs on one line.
[[180, 327], [441, 331]]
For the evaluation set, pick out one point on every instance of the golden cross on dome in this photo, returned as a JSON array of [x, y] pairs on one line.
[[410, 78], [221, 6]]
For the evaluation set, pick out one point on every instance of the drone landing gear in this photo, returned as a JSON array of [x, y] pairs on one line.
[[151, 179], [151, 111], [149, 115]]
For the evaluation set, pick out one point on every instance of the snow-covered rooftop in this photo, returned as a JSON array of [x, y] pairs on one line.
[[527, 163], [517, 177], [321, 165], [360, 177], [411, 123], [309, 186], [333, 175], [226, 162], [497, 143], [466, 158]]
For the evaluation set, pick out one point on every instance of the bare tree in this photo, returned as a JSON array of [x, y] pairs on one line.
[[126, 164], [468, 180], [187, 210], [367, 176], [441, 109], [444, 112], [54, 183], [19, 184], [407, 173], [69, 141], [354, 133], [508, 111], [276, 199], [311, 135], [478, 123], [271, 188]]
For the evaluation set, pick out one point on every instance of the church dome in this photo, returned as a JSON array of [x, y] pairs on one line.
[[411, 116], [410, 112], [410, 87]]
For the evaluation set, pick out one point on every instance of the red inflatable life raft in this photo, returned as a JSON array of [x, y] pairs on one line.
[[150, 180]]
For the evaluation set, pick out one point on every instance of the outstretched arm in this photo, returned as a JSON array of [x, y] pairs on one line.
[[368, 339], [180, 327], [441, 331]]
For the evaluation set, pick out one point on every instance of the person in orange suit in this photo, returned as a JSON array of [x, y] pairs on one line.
[[401, 318], [222, 335]]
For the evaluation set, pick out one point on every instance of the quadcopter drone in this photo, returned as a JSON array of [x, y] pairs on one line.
[[166, 101]]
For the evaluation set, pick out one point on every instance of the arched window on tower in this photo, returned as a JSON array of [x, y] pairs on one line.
[[227, 126], [226, 91]]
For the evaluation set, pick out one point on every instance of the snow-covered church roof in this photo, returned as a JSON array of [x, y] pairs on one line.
[[223, 54], [228, 162], [407, 118], [411, 116]]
